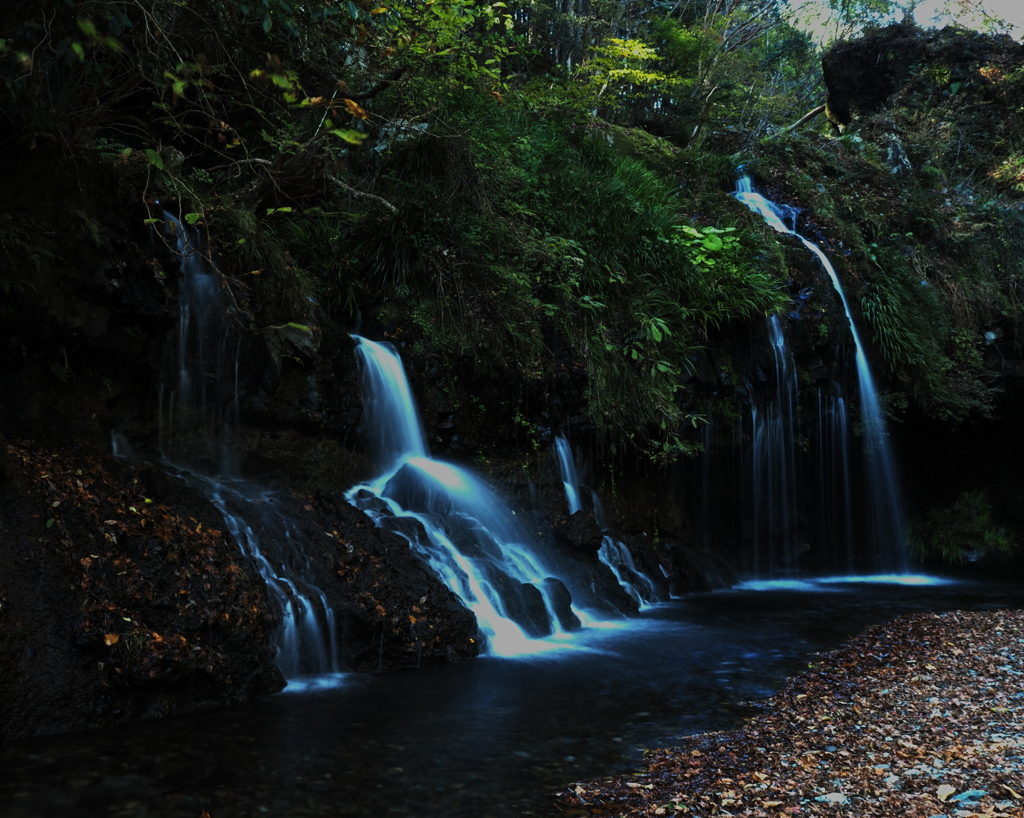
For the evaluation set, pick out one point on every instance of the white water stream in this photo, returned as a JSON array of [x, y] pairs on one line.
[[456, 522], [883, 507]]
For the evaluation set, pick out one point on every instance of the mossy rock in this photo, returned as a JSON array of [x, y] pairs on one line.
[[657, 153]]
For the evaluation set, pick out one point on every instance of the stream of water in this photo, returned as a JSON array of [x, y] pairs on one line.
[[484, 738], [884, 548], [199, 407]]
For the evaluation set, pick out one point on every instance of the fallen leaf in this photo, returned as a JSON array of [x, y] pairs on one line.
[[944, 792]]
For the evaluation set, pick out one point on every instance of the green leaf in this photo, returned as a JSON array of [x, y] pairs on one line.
[[87, 26], [267, 24], [50, 523], [155, 159], [353, 10], [353, 137], [79, 51], [192, 218]]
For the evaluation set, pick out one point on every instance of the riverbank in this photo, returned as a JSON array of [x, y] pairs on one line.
[[919, 718]]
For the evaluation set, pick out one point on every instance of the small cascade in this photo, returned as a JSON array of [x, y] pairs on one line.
[[883, 507], [774, 454], [454, 520], [306, 640], [613, 553], [634, 582], [199, 402], [567, 468]]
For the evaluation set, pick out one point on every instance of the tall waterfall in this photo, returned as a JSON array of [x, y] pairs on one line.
[[773, 469], [883, 507], [454, 520], [834, 496], [199, 402]]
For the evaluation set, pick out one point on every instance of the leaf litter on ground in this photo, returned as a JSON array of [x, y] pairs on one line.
[[919, 718]]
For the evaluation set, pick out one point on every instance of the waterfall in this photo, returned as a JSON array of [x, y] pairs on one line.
[[774, 452], [883, 507], [634, 582], [454, 520], [199, 400], [612, 552], [567, 468], [834, 491]]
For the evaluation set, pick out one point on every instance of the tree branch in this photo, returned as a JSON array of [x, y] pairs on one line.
[[805, 118], [360, 193]]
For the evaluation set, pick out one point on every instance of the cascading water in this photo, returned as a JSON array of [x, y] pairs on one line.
[[834, 492], [454, 521], [198, 420], [567, 468], [774, 452], [612, 552], [883, 506], [634, 582]]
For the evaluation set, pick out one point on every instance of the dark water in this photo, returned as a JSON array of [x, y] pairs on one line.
[[485, 738]]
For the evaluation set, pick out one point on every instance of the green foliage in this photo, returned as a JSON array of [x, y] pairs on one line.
[[314, 240], [620, 71], [903, 314], [549, 233], [968, 529]]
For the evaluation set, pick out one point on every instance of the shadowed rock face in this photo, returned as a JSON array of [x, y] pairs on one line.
[[119, 602], [862, 74], [122, 596]]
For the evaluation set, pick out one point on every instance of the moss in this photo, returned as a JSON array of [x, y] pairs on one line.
[[656, 153]]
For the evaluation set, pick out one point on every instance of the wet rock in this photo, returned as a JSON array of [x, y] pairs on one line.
[[562, 602], [534, 612], [415, 490], [580, 531]]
